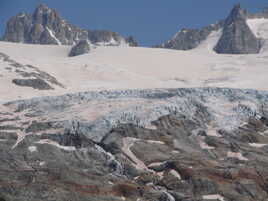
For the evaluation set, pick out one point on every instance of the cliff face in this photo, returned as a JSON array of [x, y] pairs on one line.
[[236, 37], [46, 26], [179, 144]]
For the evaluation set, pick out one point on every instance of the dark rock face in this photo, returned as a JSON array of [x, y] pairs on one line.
[[237, 38], [80, 48], [34, 83], [46, 26], [18, 27], [104, 37], [132, 41], [187, 39]]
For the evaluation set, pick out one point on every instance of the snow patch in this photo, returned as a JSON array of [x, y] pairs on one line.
[[211, 41], [156, 164], [175, 174], [213, 132], [128, 142], [154, 142], [66, 148], [42, 163], [236, 155], [259, 27], [213, 197], [257, 145], [32, 148], [205, 146], [22, 15], [150, 127], [53, 36], [160, 174], [169, 196]]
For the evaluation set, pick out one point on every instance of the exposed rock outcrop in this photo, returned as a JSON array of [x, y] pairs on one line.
[[34, 83], [132, 41], [187, 39], [237, 38], [33, 76], [46, 26], [82, 47]]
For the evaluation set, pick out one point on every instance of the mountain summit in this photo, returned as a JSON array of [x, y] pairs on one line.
[[237, 38], [46, 26], [236, 34]]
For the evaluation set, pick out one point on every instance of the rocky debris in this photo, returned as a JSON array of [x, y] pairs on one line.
[[82, 47], [149, 145], [237, 38], [105, 37], [46, 26], [34, 83]]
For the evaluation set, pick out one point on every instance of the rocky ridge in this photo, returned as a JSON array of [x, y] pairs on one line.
[[147, 145], [46, 26], [236, 37]]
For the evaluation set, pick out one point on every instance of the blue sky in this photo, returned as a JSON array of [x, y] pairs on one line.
[[149, 21]]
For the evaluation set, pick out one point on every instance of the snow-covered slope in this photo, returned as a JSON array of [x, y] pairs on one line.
[[259, 26], [129, 67]]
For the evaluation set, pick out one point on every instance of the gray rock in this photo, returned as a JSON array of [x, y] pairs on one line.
[[105, 37], [132, 41], [237, 38], [34, 83], [18, 27], [187, 39], [82, 47], [46, 26]]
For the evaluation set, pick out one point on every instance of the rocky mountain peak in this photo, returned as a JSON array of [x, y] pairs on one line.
[[43, 14], [46, 26], [237, 38], [237, 13], [42, 8]]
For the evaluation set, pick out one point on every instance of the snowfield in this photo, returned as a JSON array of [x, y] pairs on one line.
[[107, 68]]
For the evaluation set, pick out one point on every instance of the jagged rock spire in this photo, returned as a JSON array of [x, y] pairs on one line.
[[237, 13], [237, 38], [46, 26]]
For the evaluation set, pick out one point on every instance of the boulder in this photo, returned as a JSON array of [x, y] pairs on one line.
[[34, 83], [83, 47]]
